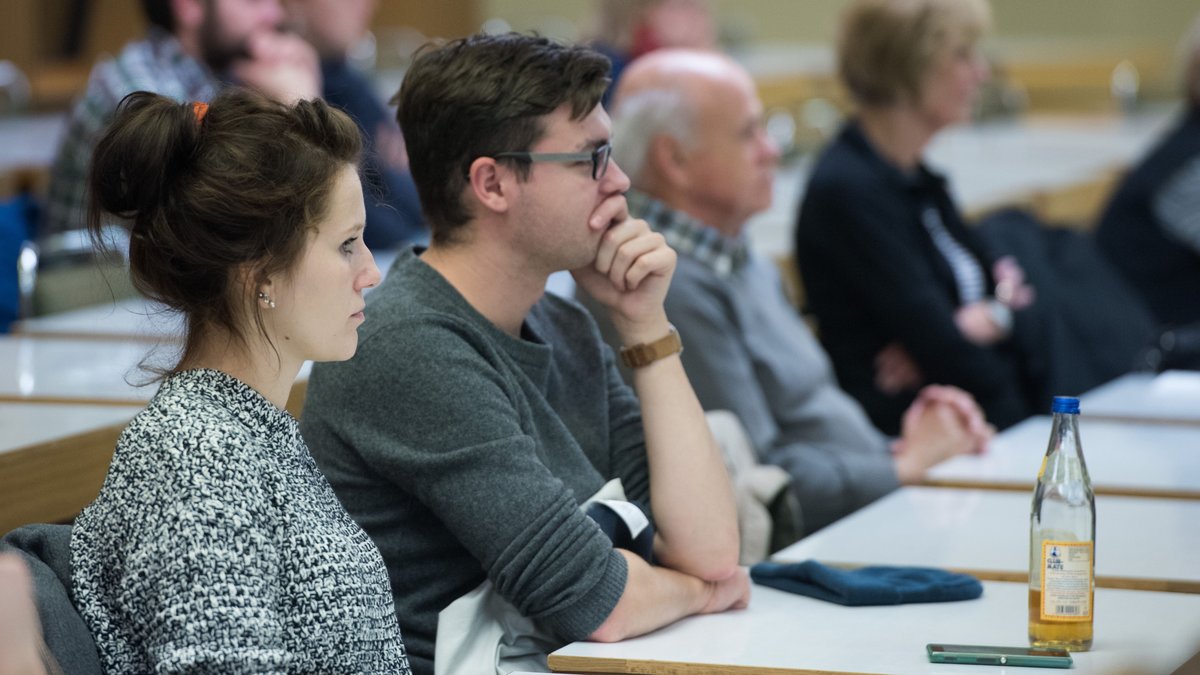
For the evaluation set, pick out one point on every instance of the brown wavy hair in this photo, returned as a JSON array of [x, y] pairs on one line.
[[211, 198]]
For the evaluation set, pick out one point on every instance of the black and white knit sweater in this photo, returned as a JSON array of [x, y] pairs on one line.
[[217, 546]]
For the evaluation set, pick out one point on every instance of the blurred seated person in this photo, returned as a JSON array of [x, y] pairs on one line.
[[333, 28], [748, 350], [190, 50], [904, 293], [1150, 231], [627, 29]]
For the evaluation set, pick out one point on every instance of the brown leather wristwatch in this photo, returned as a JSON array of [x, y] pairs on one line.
[[646, 353]]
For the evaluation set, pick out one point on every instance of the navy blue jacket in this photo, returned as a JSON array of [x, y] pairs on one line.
[[873, 276], [1163, 271], [393, 208]]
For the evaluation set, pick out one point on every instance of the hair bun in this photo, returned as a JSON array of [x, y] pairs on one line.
[[149, 143]]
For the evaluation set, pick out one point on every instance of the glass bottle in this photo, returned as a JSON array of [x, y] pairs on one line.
[[1062, 539]]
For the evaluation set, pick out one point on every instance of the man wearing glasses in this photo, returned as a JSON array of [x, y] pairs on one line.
[[479, 414]]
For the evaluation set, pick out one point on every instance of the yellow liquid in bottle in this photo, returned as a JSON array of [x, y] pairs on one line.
[[1075, 636]]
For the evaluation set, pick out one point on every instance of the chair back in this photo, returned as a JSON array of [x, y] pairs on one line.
[[47, 551], [72, 273]]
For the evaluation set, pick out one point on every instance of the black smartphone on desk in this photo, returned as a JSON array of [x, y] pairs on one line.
[[984, 655]]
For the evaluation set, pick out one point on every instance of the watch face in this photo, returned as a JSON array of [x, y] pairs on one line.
[[1001, 315]]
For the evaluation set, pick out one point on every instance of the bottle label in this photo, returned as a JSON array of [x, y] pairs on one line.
[[1066, 581]]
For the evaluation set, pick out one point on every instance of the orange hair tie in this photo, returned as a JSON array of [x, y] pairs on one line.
[[199, 109]]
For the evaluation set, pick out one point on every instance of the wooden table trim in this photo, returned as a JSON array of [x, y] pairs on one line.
[[75, 465], [1010, 486], [97, 336], [583, 664], [75, 400], [1135, 419], [294, 405], [1102, 581]]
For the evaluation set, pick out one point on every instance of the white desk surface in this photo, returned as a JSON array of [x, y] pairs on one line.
[[79, 371], [30, 140], [1144, 543], [53, 370], [127, 319], [1143, 631], [26, 424], [1170, 397], [1122, 458], [992, 163]]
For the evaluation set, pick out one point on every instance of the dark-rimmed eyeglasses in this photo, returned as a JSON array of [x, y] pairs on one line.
[[598, 157]]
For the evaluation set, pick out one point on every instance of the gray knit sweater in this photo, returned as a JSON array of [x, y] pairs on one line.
[[465, 453], [216, 546]]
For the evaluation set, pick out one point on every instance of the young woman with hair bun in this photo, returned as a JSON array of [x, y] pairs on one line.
[[215, 544]]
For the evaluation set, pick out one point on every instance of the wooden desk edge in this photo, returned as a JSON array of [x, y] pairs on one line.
[[74, 466], [608, 666], [583, 664], [76, 400], [295, 402], [1136, 419], [1011, 486], [1102, 581], [42, 334]]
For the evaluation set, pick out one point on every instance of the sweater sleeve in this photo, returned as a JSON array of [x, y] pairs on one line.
[[460, 449], [628, 437]]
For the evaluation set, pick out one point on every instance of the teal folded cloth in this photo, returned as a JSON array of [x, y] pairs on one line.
[[867, 585]]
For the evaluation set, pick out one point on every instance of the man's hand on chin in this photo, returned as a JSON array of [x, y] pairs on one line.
[[630, 277]]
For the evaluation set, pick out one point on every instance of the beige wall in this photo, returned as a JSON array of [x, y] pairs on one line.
[[1052, 46], [814, 20]]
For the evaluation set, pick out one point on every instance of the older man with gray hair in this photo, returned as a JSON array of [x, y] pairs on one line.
[[688, 129]]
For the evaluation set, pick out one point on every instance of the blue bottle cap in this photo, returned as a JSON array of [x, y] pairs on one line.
[[1065, 404]]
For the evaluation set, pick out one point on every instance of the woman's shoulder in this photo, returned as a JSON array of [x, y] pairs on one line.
[[186, 439], [846, 163]]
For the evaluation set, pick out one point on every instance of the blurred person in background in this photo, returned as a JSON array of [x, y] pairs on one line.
[[191, 49], [334, 28], [689, 130], [1150, 231], [627, 29], [904, 292]]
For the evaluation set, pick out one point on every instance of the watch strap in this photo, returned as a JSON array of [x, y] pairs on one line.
[[641, 355]]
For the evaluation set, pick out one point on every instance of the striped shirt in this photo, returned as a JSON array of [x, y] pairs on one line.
[[1178, 205], [725, 255], [156, 63], [968, 274]]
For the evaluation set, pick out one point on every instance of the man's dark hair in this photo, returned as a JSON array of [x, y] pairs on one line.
[[158, 13], [482, 95]]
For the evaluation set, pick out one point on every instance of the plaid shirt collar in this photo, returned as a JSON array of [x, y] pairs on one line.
[[723, 254]]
